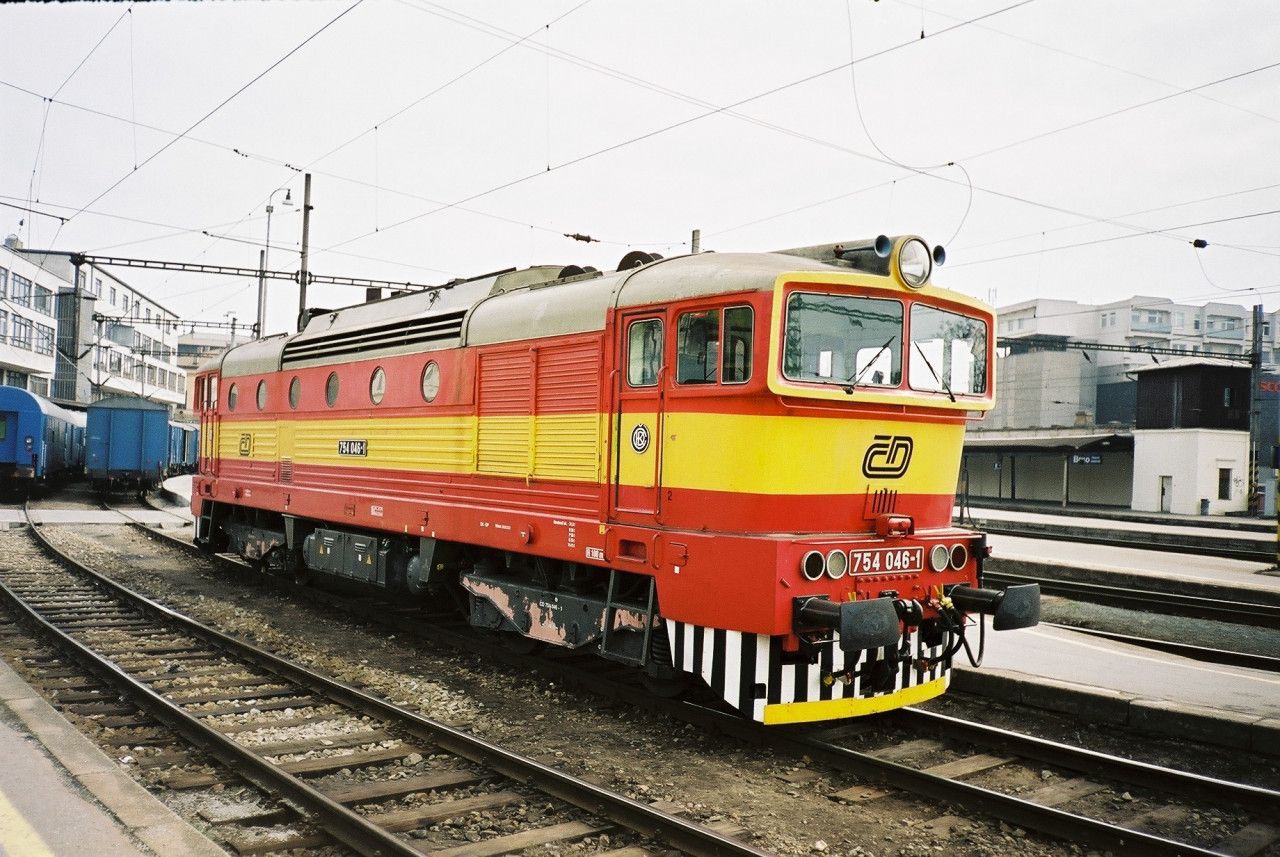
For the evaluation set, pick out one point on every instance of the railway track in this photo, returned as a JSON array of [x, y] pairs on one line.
[[936, 757], [1203, 654], [362, 781], [1266, 615], [1242, 548]]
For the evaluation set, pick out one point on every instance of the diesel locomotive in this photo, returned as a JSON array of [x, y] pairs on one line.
[[737, 468]]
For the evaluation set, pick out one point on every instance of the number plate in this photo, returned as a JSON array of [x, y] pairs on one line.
[[886, 560]]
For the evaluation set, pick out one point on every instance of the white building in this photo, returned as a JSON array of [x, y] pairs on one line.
[[28, 324], [121, 343]]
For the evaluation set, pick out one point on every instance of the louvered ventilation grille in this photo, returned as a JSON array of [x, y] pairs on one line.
[[416, 331], [286, 470], [884, 501]]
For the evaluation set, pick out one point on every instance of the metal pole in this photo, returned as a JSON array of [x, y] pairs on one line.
[[306, 235], [262, 282], [1256, 504], [695, 245]]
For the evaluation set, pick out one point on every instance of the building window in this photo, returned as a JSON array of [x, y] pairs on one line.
[[44, 340], [1224, 483], [4, 282], [20, 290], [97, 286], [40, 386], [22, 330], [113, 295], [4, 326], [42, 300]]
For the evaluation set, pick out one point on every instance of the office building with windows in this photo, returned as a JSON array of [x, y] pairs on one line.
[[111, 338], [1067, 428], [28, 324]]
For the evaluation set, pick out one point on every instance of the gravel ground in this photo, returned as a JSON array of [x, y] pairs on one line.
[[780, 799]]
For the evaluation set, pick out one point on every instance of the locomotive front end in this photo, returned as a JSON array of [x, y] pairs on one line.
[[878, 589]]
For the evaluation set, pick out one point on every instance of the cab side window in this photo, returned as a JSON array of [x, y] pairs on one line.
[[738, 323], [644, 352], [698, 347]]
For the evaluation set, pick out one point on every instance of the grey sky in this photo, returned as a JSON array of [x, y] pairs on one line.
[[1153, 149]]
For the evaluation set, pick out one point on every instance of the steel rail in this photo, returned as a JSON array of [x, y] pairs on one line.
[[1197, 548], [1171, 603], [1048, 820], [1204, 654], [1091, 761], [641, 818]]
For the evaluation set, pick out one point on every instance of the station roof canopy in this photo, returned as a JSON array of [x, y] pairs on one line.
[[1045, 441]]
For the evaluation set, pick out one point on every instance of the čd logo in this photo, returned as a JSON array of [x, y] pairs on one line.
[[888, 457]]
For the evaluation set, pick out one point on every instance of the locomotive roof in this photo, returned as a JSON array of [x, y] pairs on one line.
[[506, 307]]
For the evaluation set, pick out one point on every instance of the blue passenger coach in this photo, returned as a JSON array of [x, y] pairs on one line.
[[39, 441], [127, 445]]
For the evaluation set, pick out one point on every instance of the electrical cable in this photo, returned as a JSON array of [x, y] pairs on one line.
[[680, 124], [222, 104]]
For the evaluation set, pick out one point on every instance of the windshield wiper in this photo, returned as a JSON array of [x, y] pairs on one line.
[[945, 386], [852, 380]]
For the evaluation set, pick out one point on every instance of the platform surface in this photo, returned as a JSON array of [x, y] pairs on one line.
[[1151, 563], [43, 812], [1175, 525], [1070, 656]]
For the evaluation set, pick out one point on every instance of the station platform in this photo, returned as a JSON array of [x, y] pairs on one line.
[[61, 796], [1103, 681], [1254, 534]]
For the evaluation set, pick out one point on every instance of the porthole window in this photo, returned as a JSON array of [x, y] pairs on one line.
[[430, 381], [262, 395], [377, 386], [331, 389], [231, 397], [295, 392]]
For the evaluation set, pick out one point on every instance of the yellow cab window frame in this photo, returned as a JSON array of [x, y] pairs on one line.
[[889, 288]]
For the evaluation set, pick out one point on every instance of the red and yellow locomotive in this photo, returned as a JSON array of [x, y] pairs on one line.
[[739, 467]]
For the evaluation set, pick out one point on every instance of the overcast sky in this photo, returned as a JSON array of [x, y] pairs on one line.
[[1058, 149]]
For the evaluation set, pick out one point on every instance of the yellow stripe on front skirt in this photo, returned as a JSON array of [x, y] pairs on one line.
[[832, 709]]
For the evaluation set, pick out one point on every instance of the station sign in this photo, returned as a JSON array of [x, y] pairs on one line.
[[1086, 458]]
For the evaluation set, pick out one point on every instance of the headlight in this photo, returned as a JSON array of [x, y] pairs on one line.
[[959, 556], [939, 556], [812, 565], [914, 262], [837, 564]]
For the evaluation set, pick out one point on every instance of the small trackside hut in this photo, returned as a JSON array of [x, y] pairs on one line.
[[737, 468]]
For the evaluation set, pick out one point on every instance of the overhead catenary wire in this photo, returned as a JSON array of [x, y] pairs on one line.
[[680, 124], [222, 104]]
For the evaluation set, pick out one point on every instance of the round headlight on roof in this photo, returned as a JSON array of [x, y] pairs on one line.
[[914, 262]]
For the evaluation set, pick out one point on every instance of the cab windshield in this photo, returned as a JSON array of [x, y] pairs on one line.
[[948, 352], [844, 340]]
